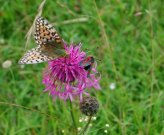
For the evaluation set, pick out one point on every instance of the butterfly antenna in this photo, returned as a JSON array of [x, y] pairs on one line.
[[97, 59], [31, 30], [98, 47], [87, 50]]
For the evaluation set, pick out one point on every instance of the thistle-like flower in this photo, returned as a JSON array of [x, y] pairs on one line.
[[66, 78]]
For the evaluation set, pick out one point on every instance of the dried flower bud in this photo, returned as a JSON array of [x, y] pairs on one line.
[[89, 106]]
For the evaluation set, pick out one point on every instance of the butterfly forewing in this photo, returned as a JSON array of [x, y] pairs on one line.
[[34, 56], [45, 33]]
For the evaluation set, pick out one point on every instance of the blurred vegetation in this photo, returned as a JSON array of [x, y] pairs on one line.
[[127, 36]]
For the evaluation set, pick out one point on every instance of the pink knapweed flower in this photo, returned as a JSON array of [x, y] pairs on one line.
[[66, 78]]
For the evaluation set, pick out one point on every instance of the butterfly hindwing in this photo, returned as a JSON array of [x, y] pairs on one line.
[[34, 56]]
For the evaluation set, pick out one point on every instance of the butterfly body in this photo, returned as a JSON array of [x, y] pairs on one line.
[[87, 63], [50, 44]]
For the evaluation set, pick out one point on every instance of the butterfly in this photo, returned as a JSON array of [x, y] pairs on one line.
[[87, 63], [50, 44]]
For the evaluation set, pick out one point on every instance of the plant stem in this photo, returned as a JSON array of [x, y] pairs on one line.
[[73, 118], [86, 126]]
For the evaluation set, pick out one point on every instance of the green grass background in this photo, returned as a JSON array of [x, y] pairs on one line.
[[130, 48]]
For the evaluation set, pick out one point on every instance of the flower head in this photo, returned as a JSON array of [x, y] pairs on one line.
[[66, 78]]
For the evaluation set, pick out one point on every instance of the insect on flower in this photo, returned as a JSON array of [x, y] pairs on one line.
[[87, 63], [50, 44], [68, 72]]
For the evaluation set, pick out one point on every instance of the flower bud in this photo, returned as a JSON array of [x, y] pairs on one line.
[[89, 106]]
